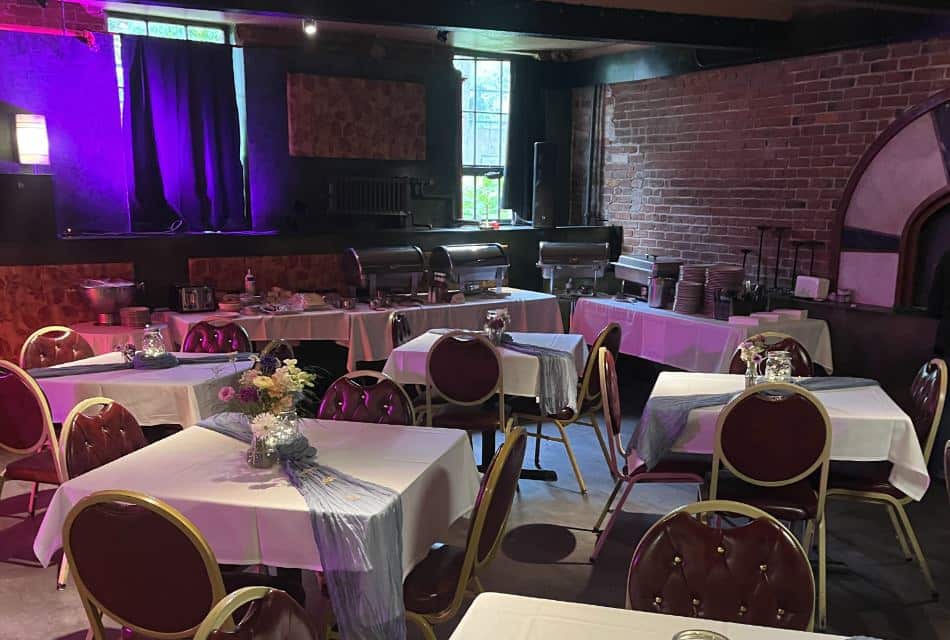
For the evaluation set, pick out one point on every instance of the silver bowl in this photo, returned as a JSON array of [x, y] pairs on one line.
[[106, 297]]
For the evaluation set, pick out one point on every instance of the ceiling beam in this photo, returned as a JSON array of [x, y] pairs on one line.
[[898, 6], [531, 17]]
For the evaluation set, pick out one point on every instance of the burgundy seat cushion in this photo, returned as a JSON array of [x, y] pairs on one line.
[[792, 502], [863, 476], [204, 337], [430, 586], [22, 425], [55, 348], [382, 402], [38, 467], [468, 418], [99, 439], [463, 369], [273, 617]]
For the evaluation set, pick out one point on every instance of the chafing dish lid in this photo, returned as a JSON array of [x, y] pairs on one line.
[[449, 258], [358, 263], [573, 253]]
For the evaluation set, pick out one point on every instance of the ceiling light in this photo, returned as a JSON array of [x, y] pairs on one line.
[[310, 27]]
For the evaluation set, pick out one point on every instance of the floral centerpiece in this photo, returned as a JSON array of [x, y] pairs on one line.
[[750, 351], [496, 322], [267, 394]]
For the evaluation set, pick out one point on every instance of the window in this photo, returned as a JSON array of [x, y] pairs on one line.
[[485, 95]]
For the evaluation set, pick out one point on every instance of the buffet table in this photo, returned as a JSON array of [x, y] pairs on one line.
[[105, 338], [505, 617], [330, 324], [689, 342], [255, 516]]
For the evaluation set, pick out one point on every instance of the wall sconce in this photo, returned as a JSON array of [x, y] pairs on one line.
[[32, 142]]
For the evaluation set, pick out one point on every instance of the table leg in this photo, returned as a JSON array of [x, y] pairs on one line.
[[488, 452]]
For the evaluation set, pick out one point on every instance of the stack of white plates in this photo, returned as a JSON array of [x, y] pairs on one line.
[[720, 276], [689, 297]]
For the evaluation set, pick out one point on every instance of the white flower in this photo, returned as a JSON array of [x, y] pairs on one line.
[[262, 423]]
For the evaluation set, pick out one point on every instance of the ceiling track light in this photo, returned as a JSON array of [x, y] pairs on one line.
[[310, 27]]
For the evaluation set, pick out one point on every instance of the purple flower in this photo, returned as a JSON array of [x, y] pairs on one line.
[[226, 394], [248, 394], [269, 365]]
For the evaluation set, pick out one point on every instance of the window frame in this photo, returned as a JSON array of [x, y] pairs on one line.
[[147, 19]]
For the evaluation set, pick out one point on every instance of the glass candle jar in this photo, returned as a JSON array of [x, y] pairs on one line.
[[152, 342], [778, 366]]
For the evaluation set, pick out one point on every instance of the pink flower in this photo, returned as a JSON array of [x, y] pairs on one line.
[[226, 394]]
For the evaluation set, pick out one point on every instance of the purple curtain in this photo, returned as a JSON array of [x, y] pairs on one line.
[[182, 123]]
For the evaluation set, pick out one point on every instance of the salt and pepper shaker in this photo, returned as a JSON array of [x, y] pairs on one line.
[[250, 284]]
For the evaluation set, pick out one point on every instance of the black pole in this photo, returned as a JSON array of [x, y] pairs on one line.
[[778, 253], [758, 265], [798, 245]]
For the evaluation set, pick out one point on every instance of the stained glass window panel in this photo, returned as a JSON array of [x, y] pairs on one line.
[[167, 30]]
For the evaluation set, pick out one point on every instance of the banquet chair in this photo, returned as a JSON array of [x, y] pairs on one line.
[[280, 349], [272, 615], [464, 371], [771, 438], [140, 562], [802, 364], [946, 466], [205, 337], [869, 481], [400, 331], [757, 573], [27, 430], [382, 400], [433, 591], [90, 440], [626, 467], [588, 406], [53, 345]]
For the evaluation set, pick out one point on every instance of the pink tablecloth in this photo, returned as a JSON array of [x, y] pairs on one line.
[[254, 516]]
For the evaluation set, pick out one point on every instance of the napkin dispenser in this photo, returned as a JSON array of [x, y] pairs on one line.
[[812, 287]]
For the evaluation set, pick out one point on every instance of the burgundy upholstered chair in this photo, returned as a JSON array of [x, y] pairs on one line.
[[53, 345], [434, 589], [946, 466], [90, 440], [588, 406], [140, 562], [757, 573], [626, 467], [464, 371], [205, 337], [802, 364], [400, 332], [772, 438], [26, 428], [272, 615], [869, 481], [382, 400]]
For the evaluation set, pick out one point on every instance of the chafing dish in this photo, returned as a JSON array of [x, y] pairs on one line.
[[395, 270], [640, 270], [573, 260], [470, 265]]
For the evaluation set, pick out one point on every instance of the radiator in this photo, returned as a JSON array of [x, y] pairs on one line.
[[388, 196]]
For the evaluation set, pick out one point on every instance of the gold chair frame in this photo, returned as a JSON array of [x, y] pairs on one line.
[[584, 415], [777, 336], [273, 344], [822, 462], [895, 506], [221, 615], [53, 328], [703, 509], [379, 377], [94, 609]]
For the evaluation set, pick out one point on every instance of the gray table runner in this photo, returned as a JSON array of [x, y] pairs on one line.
[[163, 363], [664, 417], [557, 381], [357, 526]]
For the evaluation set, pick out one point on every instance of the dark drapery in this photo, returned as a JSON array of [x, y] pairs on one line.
[[181, 120], [525, 127]]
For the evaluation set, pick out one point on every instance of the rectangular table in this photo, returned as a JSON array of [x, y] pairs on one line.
[[507, 617], [689, 342], [255, 516], [867, 425], [105, 338], [181, 395], [329, 324], [407, 363]]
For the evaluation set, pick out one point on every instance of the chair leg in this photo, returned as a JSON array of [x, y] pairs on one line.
[[63, 573], [822, 575], [32, 505], [600, 439], [606, 509], [427, 631], [478, 585], [899, 531], [570, 455], [602, 538], [808, 538], [915, 545], [537, 447]]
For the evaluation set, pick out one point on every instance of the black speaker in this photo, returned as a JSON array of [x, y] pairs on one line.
[[545, 168], [26, 208]]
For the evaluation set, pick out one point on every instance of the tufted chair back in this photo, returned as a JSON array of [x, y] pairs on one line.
[[280, 349], [755, 574], [53, 345], [89, 441], [928, 394], [400, 332], [382, 400], [609, 338], [464, 368], [26, 421], [272, 615], [205, 337], [802, 365]]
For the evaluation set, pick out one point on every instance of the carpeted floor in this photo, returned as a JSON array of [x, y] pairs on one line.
[[872, 590]]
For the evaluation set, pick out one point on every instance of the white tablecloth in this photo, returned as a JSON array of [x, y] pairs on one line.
[[505, 617], [103, 339], [407, 364], [331, 324], [255, 516], [690, 342], [529, 310], [866, 425], [181, 395]]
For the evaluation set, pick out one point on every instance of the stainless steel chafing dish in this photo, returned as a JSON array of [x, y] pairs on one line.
[[395, 270], [470, 265], [643, 271], [573, 260]]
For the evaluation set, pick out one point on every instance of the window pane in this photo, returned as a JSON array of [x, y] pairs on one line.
[[467, 68], [488, 140], [206, 34], [167, 30], [468, 138], [488, 73], [468, 197], [126, 26], [504, 139], [486, 198], [488, 101]]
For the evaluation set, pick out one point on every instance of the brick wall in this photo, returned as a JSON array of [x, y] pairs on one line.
[[694, 162], [30, 13]]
